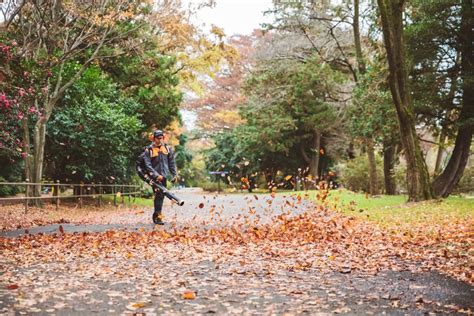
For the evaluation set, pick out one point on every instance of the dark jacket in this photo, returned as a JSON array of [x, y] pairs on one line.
[[160, 161]]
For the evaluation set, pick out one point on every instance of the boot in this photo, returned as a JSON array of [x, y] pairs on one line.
[[157, 219]]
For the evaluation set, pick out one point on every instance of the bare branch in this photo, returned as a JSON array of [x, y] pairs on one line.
[[13, 14], [346, 60]]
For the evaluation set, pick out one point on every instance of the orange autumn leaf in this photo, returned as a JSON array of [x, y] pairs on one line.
[[138, 305], [189, 295]]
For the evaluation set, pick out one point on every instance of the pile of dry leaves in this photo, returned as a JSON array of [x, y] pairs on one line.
[[15, 217]]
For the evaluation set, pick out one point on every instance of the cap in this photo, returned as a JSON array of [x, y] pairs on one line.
[[158, 133]]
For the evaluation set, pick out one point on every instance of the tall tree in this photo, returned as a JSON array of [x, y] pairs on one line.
[[372, 120], [444, 184], [301, 93], [93, 120], [323, 25], [361, 67], [418, 181], [217, 109], [50, 34], [199, 54], [151, 79]]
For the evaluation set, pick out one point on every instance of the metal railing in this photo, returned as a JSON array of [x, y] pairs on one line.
[[85, 190]]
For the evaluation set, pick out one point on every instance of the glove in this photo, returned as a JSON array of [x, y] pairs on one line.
[[175, 179]]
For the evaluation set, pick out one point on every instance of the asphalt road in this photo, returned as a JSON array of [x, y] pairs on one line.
[[199, 209]]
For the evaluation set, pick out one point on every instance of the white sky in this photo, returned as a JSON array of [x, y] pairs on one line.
[[235, 16]]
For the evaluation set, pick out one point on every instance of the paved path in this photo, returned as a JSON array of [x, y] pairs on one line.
[[214, 209]]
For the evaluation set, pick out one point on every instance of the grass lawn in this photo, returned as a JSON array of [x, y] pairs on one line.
[[389, 210], [133, 201]]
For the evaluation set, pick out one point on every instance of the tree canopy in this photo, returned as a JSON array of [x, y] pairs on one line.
[[323, 83]]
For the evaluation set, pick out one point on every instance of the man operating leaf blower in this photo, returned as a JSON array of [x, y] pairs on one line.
[[154, 165]]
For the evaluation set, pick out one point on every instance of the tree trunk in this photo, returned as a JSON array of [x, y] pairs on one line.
[[443, 135], [27, 154], [373, 190], [444, 184], [441, 151], [314, 163], [358, 47], [39, 141], [350, 151], [418, 181], [389, 152], [39, 138]]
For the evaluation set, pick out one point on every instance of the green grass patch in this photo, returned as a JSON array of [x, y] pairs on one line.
[[134, 202], [389, 210]]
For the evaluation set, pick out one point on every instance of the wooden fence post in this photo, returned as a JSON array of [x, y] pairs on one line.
[[122, 195], [80, 194], [56, 193], [27, 188], [115, 195], [139, 192], [89, 192], [92, 190], [100, 194]]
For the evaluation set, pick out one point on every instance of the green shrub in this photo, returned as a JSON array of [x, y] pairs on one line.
[[212, 186], [7, 190], [355, 174], [147, 192]]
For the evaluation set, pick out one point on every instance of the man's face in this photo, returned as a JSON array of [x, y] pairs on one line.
[[158, 140]]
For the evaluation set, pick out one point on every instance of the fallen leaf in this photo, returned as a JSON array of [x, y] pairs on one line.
[[189, 295], [136, 305], [342, 310], [345, 270]]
